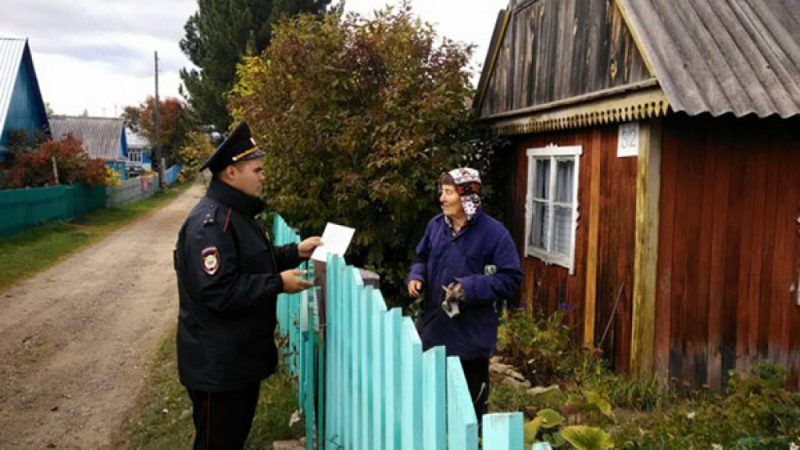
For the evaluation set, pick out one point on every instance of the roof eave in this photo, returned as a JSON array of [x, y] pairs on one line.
[[628, 103]]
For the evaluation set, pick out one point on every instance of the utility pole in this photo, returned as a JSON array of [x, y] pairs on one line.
[[158, 132]]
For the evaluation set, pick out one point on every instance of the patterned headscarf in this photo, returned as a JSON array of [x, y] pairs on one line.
[[468, 186]]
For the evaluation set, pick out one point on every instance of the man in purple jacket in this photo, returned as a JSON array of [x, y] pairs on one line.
[[465, 262]]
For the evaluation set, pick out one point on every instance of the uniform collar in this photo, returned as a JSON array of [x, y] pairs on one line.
[[236, 199]]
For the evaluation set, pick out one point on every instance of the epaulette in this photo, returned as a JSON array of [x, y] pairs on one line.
[[209, 217]]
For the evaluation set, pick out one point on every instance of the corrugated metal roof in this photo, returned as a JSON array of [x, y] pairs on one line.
[[722, 56], [101, 136], [136, 140], [11, 51]]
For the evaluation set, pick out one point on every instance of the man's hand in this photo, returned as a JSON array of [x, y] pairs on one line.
[[306, 248], [414, 288], [293, 283]]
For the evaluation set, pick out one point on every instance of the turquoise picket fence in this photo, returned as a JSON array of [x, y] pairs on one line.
[[364, 381], [22, 209]]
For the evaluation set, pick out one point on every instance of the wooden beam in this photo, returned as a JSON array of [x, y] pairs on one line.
[[590, 297], [620, 106], [648, 187]]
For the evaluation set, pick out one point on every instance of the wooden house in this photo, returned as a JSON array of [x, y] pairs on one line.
[[139, 150], [21, 105], [654, 173], [102, 137]]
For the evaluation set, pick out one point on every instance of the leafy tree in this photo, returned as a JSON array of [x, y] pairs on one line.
[[359, 117], [216, 38], [131, 115], [192, 155], [34, 168], [175, 123]]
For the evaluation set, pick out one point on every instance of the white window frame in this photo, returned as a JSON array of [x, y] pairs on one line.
[[554, 153], [135, 156]]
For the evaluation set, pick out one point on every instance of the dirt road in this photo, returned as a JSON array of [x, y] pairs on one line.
[[77, 339]]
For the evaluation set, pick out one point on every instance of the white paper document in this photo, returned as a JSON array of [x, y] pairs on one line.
[[336, 239]]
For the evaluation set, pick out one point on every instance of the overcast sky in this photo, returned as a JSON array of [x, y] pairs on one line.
[[97, 55]]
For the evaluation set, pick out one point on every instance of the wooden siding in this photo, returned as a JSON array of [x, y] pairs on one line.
[[558, 49], [729, 247], [549, 287]]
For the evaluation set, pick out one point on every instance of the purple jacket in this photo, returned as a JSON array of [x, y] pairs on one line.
[[442, 259]]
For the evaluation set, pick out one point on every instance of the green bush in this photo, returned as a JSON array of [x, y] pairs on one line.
[[359, 117], [756, 412], [540, 347]]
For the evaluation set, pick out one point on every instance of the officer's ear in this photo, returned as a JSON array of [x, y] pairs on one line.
[[229, 172]]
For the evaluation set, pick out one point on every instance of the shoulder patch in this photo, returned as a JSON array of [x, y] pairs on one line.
[[211, 260]]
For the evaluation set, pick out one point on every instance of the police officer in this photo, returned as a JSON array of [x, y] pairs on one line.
[[229, 276]]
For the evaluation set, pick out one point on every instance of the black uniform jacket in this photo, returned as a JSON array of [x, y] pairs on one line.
[[228, 283]]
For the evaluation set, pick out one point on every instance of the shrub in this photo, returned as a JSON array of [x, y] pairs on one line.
[[196, 151], [358, 118], [756, 412], [541, 347], [73, 165]]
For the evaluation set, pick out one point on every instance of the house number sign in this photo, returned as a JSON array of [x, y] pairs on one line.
[[628, 140]]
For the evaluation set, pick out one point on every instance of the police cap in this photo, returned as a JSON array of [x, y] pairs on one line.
[[238, 146]]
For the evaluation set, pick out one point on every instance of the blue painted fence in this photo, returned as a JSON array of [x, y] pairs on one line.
[[171, 174], [364, 381], [21, 209]]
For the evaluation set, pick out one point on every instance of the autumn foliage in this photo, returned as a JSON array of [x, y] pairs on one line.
[[174, 122], [192, 155], [34, 168], [358, 118]]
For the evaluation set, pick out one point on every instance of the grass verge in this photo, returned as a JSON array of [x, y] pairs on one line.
[[39, 248], [164, 419]]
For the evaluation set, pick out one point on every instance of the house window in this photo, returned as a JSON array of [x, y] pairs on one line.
[[551, 208], [135, 155]]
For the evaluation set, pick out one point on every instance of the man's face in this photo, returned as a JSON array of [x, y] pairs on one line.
[[247, 176], [451, 202]]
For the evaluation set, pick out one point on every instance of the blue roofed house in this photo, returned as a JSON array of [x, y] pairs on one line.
[[102, 137], [21, 104]]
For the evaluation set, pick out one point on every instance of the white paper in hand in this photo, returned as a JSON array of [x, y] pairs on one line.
[[336, 239]]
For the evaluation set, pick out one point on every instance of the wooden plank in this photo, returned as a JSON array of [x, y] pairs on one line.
[[366, 378], [462, 425], [332, 356], [745, 260], [793, 337], [590, 298], [670, 151], [679, 314], [699, 283], [616, 250], [503, 431], [378, 382], [766, 297], [575, 284], [356, 351], [758, 183], [693, 184], [786, 231], [716, 282], [392, 404], [648, 184], [433, 399], [411, 390], [733, 256]]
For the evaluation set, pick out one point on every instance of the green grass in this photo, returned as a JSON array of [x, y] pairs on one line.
[[164, 418], [37, 249]]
